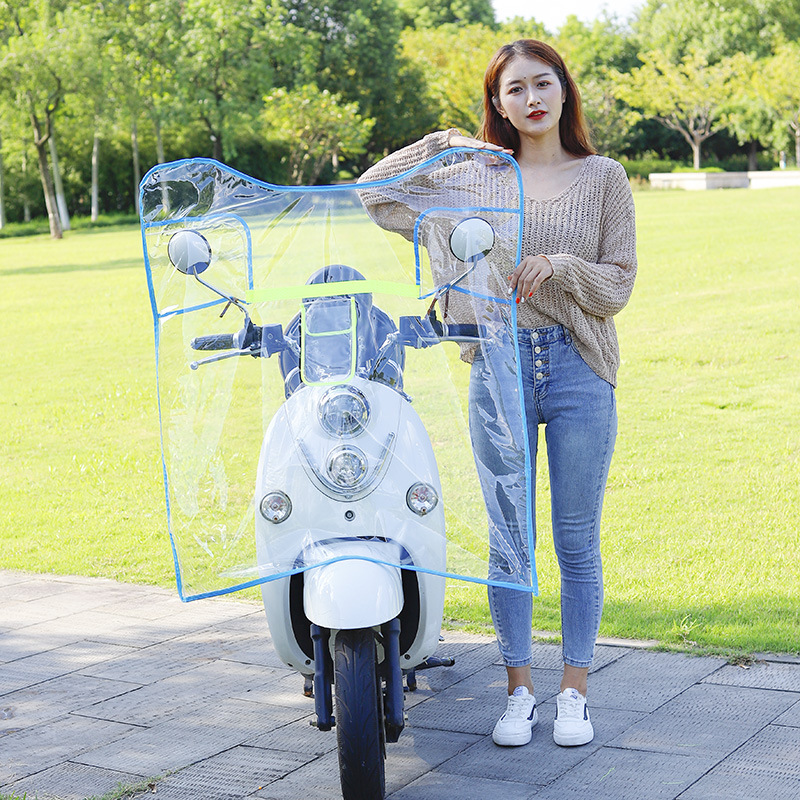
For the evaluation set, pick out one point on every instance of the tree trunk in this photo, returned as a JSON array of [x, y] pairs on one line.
[[797, 146], [752, 155], [159, 142], [137, 173], [95, 177], [49, 192], [216, 139], [161, 160], [61, 200], [26, 203], [696, 144], [40, 142], [2, 189]]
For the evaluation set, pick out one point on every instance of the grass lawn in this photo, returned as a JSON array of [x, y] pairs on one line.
[[701, 541]]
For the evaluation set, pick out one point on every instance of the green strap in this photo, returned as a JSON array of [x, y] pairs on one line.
[[332, 290], [349, 332]]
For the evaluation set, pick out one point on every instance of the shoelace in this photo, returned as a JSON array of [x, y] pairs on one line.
[[518, 707], [572, 706]]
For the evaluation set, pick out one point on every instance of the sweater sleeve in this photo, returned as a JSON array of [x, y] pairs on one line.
[[385, 209], [604, 288]]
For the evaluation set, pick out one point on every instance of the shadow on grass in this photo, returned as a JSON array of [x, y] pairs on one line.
[[55, 269], [40, 227]]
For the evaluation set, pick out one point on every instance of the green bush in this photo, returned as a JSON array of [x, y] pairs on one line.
[[683, 168], [41, 225], [642, 167]]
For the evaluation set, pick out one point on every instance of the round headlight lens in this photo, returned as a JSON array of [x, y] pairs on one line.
[[343, 411], [275, 507], [422, 498], [347, 466]]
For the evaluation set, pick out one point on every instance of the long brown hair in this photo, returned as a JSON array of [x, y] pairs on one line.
[[575, 138]]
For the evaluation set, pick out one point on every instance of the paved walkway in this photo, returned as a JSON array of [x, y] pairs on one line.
[[104, 684]]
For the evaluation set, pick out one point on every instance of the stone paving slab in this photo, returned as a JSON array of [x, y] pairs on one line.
[[767, 766], [469, 706], [165, 699], [791, 717], [707, 721], [543, 760], [236, 773], [69, 781], [417, 752], [56, 698], [129, 684], [56, 663], [612, 774], [32, 750], [764, 675], [202, 732], [437, 786], [184, 653], [298, 735], [640, 682]]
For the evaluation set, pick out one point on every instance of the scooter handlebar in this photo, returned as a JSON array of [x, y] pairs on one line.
[[419, 332], [221, 341]]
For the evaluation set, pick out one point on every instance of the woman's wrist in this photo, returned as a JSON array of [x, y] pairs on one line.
[[449, 134]]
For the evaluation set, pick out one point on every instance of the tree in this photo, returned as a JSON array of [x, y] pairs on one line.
[[748, 117], [231, 52], [690, 97], [317, 127], [781, 91], [592, 51], [453, 60], [22, 189], [2, 185], [140, 63], [719, 30], [433, 13], [33, 70], [357, 56]]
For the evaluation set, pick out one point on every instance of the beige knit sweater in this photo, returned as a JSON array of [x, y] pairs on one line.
[[587, 232]]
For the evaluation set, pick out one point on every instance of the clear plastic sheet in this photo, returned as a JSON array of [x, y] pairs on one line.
[[311, 447]]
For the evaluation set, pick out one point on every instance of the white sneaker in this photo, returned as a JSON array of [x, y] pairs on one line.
[[514, 727], [572, 726]]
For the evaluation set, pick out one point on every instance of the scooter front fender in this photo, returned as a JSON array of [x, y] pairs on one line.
[[352, 594]]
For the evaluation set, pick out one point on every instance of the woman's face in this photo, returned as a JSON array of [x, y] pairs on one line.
[[530, 97]]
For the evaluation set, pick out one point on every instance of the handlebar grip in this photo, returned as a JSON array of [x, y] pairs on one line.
[[222, 341]]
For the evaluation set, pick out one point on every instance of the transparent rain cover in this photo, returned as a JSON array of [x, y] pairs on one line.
[[331, 412]]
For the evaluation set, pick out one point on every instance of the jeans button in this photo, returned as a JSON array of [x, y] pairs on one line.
[[538, 362], [537, 350], [539, 376]]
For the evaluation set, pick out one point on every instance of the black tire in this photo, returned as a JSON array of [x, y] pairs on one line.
[[359, 716]]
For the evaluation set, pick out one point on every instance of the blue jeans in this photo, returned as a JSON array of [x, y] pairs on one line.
[[578, 410]]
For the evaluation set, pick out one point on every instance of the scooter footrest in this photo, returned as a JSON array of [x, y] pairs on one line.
[[435, 661]]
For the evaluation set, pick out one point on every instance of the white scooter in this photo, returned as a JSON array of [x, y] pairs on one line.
[[348, 492]]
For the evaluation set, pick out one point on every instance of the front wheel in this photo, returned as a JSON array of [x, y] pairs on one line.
[[359, 716]]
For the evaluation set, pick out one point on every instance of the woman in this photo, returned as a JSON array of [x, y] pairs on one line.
[[577, 270]]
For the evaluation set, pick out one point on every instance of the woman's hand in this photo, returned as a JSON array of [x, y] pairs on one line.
[[531, 273], [457, 140]]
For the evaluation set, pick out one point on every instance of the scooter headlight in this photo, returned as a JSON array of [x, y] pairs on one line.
[[275, 507], [347, 467], [422, 498], [343, 411]]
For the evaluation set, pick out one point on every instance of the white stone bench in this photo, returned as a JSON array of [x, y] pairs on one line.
[[698, 181]]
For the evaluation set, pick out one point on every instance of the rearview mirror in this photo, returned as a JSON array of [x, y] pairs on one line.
[[471, 239], [189, 252]]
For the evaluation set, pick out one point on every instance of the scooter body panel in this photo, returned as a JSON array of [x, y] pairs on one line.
[[365, 536], [353, 594]]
